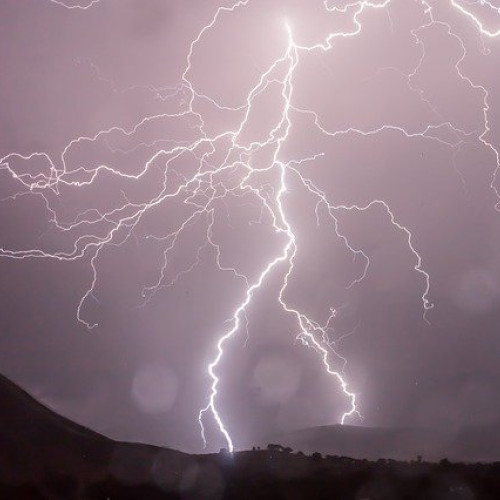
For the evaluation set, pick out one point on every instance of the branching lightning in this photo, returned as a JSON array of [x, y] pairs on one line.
[[479, 24], [75, 6], [203, 191]]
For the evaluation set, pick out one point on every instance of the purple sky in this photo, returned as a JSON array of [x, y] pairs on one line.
[[387, 141]]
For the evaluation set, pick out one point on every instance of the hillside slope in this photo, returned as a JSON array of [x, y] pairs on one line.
[[35, 443]]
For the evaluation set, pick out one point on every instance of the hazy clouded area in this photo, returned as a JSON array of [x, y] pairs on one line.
[[405, 114]]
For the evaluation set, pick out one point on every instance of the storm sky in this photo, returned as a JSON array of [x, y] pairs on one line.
[[406, 114]]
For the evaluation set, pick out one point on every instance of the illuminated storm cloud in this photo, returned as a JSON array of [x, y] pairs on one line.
[[249, 175]]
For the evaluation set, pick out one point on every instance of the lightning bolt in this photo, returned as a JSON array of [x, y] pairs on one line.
[[479, 24], [214, 180], [75, 6]]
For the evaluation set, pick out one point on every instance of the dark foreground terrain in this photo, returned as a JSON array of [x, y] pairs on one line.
[[44, 456]]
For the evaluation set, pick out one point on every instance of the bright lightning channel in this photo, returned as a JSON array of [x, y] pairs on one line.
[[75, 6], [207, 185]]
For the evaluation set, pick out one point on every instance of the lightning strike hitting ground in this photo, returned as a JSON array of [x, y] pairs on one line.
[[95, 230]]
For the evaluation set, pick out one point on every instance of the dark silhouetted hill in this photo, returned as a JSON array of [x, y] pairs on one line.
[[45, 456], [34, 439], [37, 446]]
